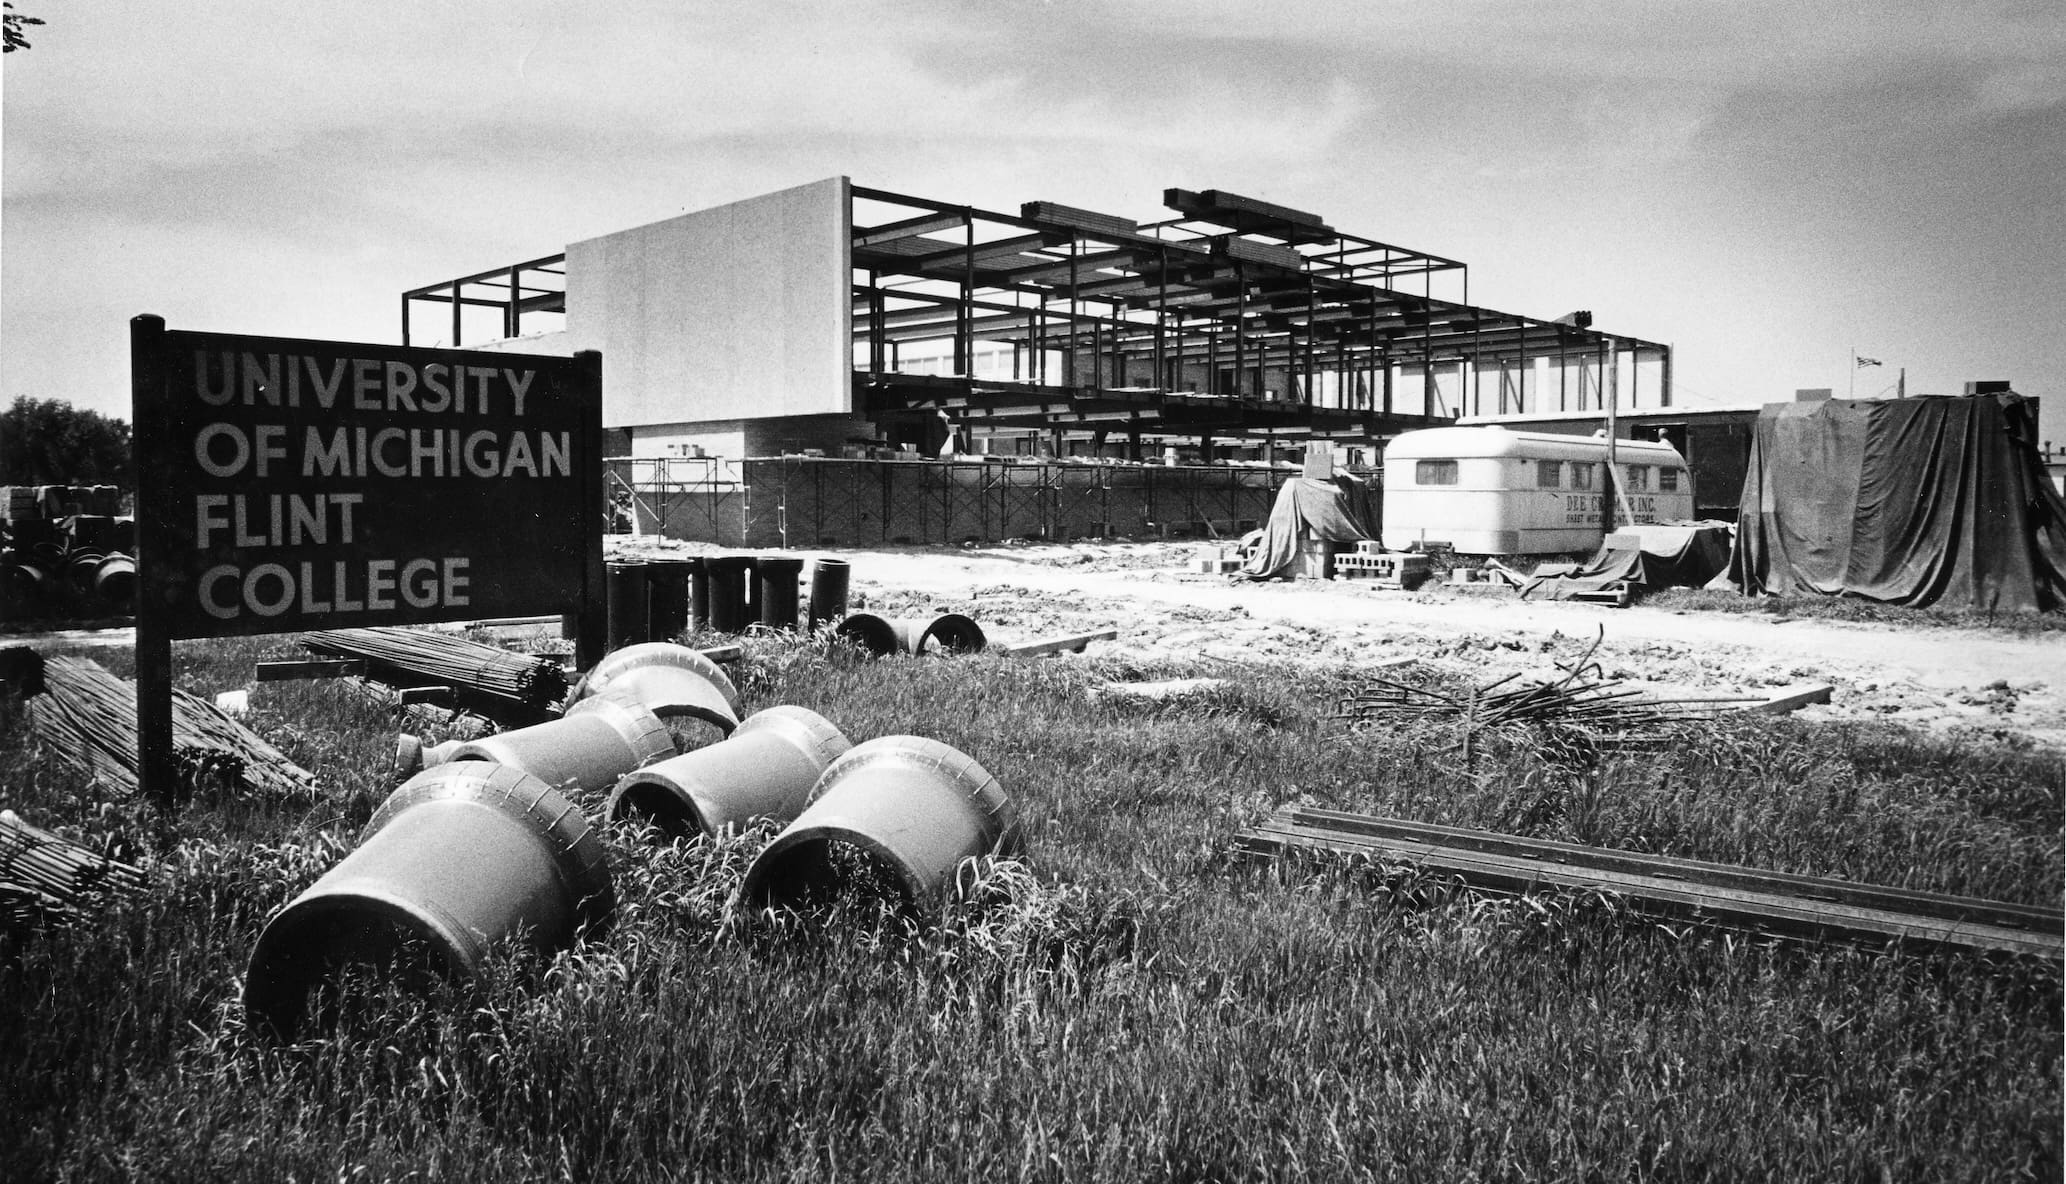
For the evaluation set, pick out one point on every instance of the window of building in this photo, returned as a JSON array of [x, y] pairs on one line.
[[1668, 480], [1549, 474], [1434, 472]]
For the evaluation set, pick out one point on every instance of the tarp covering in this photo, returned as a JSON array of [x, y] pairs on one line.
[[1308, 508], [1908, 501], [1666, 555]]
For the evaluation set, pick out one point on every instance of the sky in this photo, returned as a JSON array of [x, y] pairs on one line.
[[1767, 187]]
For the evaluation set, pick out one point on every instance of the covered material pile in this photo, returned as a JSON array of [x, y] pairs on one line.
[[1932, 500], [1662, 555], [87, 718], [1309, 509], [526, 686]]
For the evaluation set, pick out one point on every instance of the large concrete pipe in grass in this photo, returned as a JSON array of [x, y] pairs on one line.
[[462, 856], [600, 739], [883, 636], [766, 769], [671, 680], [912, 808]]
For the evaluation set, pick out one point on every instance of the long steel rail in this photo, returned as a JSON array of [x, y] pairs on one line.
[[1779, 903]]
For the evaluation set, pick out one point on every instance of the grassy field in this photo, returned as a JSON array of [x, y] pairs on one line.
[[1125, 1002]]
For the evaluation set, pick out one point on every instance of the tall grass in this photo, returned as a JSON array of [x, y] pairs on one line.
[[1125, 1001]]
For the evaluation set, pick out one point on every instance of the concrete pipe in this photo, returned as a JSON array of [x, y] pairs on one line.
[[883, 636], [600, 739], [624, 588], [765, 770], [729, 576], [23, 589], [953, 633], [80, 567], [915, 807], [671, 680], [412, 754], [114, 581], [667, 598], [463, 856], [775, 589], [877, 635], [699, 593], [828, 591]]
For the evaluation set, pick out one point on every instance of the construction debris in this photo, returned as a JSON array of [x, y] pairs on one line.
[[1583, 698], [1790, 698], [1736, 897], [1054, 645], [87, 717], [44, 877], [1162, 691]]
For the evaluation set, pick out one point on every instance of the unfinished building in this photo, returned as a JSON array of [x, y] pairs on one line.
[[754, 353]]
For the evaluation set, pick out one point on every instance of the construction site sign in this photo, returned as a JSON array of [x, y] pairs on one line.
[[287, 484], [294, 485]]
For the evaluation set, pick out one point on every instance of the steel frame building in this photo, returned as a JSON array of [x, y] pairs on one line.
[[1234, 320]]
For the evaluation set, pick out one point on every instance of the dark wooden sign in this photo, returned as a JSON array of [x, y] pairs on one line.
[[287, 484]]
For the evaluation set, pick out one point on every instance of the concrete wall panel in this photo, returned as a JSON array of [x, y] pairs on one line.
[[736, 312]]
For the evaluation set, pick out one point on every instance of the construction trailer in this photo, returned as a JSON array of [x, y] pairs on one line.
[[852, 323], [1489, 491]]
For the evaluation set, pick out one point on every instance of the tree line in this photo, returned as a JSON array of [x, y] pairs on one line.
[[51, 442]]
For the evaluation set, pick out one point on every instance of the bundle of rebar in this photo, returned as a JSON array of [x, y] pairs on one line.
[[1584, 698], [87, 717], [45, 877], [415, 657]]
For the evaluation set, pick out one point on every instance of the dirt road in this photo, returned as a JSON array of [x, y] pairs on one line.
[[1986, 681]]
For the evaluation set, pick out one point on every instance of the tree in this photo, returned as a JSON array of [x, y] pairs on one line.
[[16, 36], [50, 442]]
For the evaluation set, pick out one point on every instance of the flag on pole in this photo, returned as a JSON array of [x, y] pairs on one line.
[[1868, 361]]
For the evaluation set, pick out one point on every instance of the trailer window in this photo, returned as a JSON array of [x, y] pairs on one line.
[[1668, 480], [1581, 474], [1549, 474], [1434, 472], [1638, 478]]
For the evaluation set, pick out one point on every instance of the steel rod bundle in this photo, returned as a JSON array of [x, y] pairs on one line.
[[44, 876], [414, 657], [1582, 698], [87, 716]]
